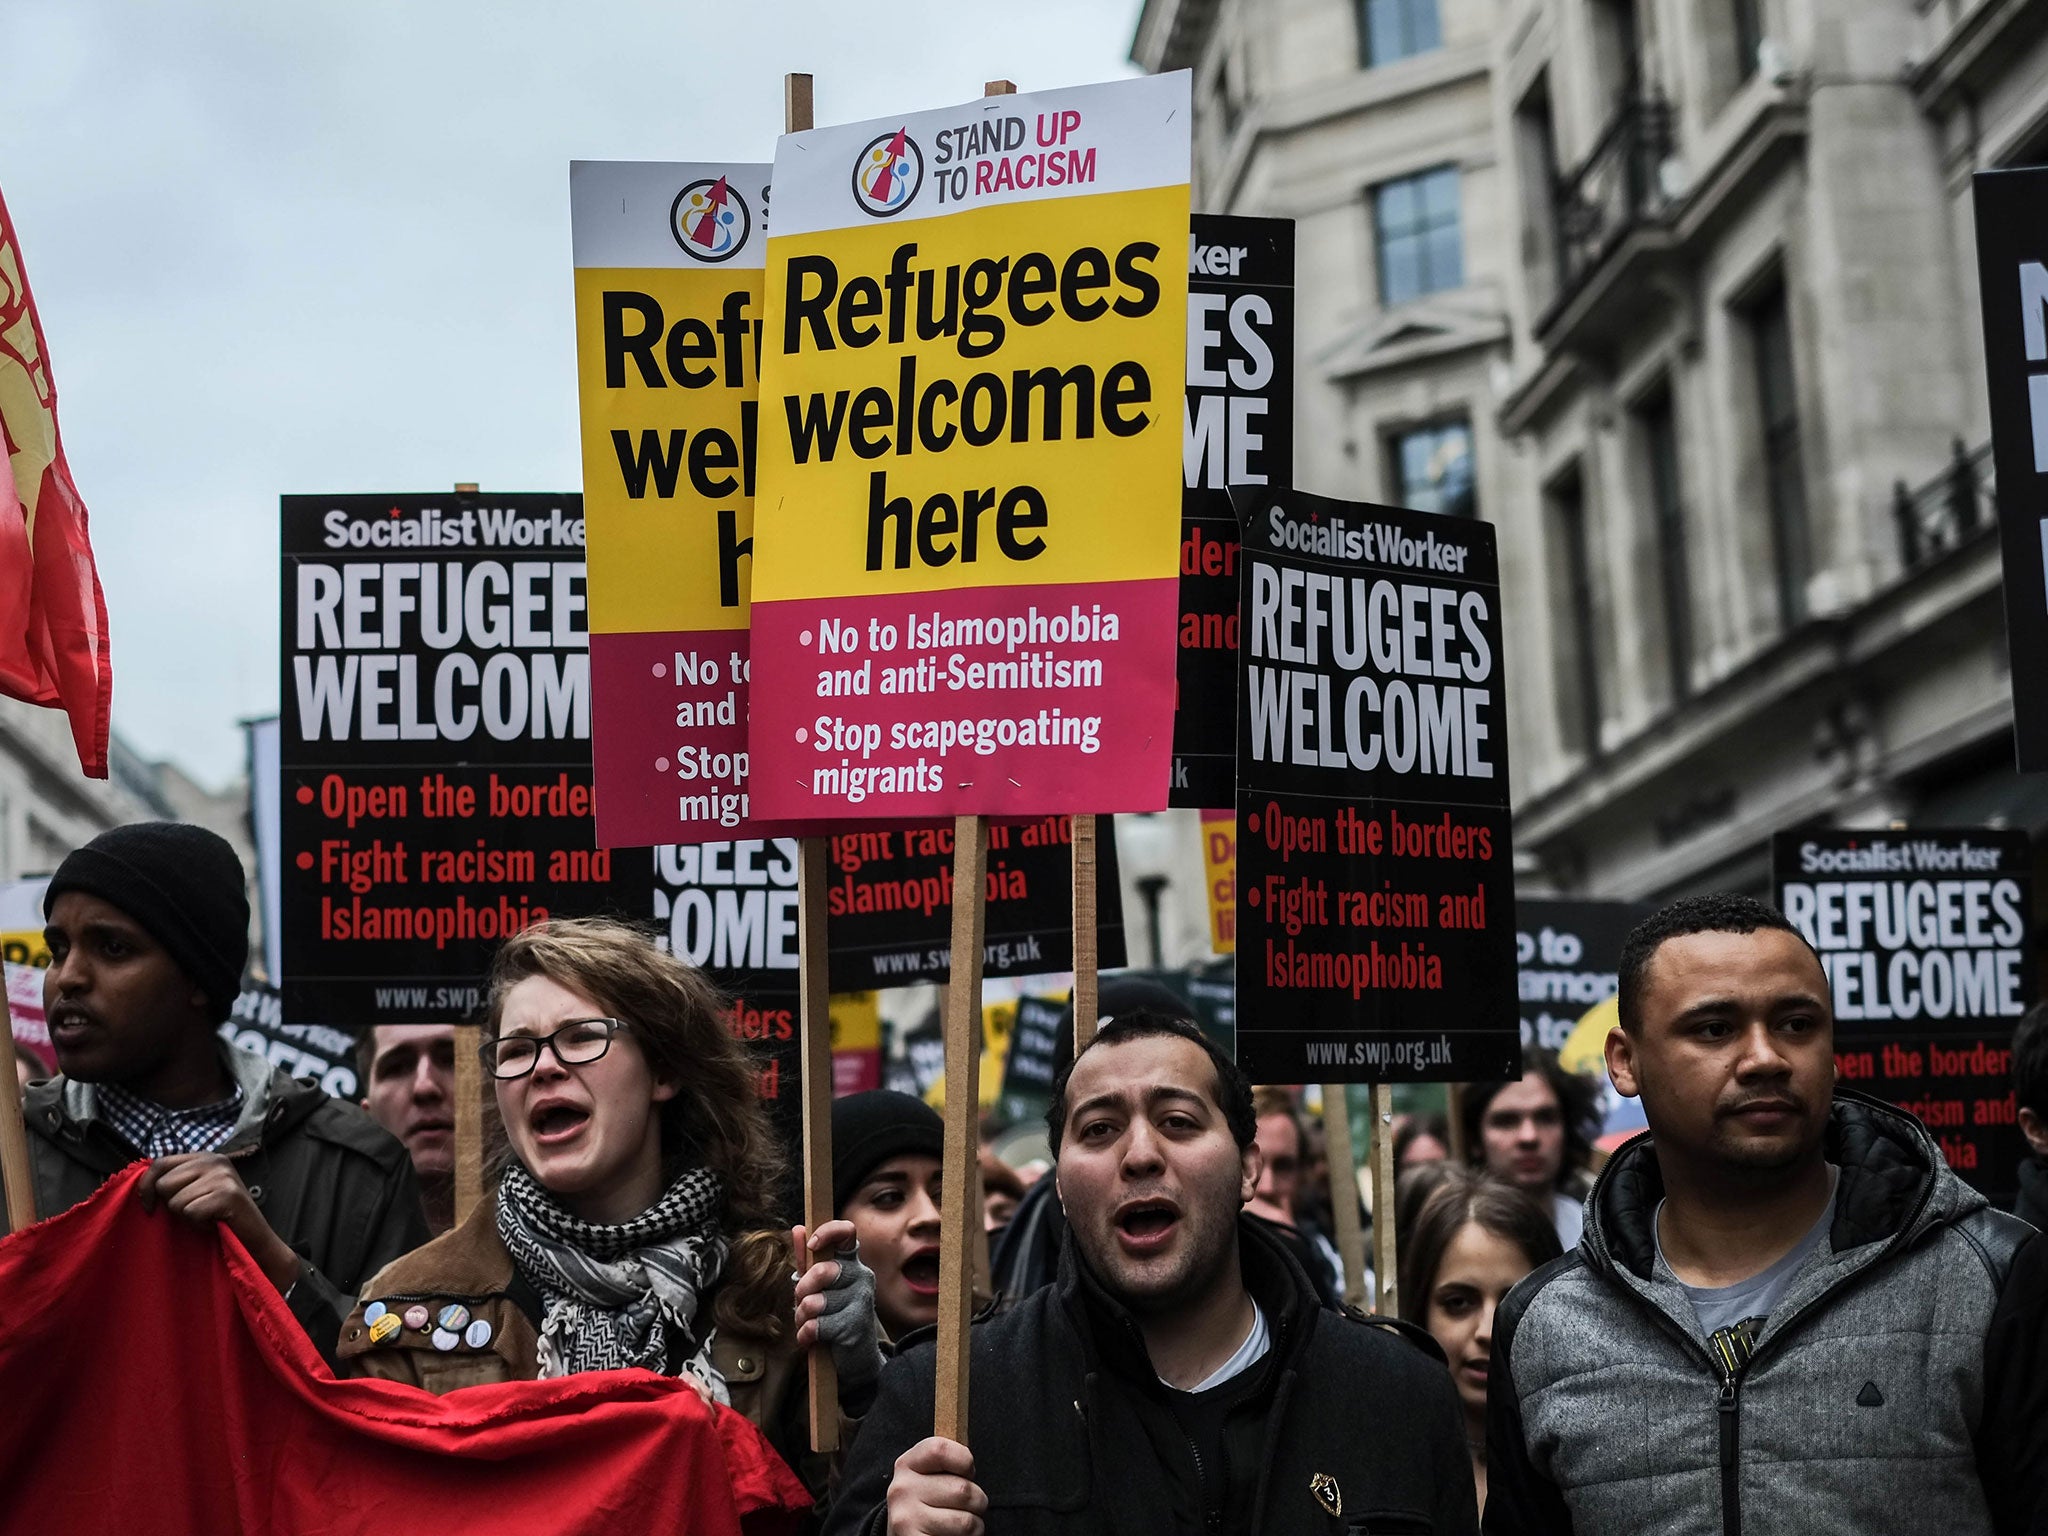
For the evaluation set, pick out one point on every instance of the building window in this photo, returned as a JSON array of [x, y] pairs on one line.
[[1433, 469], [1415, 223], [1573, 629], [1749, 35], [1659, 425], [1770, 328], [1397, 29]]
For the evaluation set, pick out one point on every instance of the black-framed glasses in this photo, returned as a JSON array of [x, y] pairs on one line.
[[575, 1044]]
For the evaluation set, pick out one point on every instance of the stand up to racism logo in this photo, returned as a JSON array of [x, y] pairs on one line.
[[710, 220], [888, 173]]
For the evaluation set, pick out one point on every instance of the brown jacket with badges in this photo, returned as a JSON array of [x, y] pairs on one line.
[[496, 1336]]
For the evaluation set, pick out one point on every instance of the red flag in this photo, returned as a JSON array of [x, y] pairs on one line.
[[53, 620], [155, 1382]]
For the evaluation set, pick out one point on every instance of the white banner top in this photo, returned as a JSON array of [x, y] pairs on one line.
[[668, 214], [1121, 136]]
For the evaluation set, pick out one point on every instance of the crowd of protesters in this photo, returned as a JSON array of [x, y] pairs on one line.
[[1777, 1311]]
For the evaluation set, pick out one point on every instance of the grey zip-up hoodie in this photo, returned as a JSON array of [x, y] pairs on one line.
[[1868, 1405]]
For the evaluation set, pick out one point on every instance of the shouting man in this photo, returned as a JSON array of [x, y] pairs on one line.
[[1178, 1377], [148, 927], [1785, 1314]]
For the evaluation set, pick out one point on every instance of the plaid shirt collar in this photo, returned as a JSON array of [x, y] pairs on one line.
[[154, 1131]]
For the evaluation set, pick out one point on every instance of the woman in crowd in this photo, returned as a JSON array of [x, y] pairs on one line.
[[1420, 1139], [633, 1223], [1537, 1133], [1474, 1237], [886, 1150]]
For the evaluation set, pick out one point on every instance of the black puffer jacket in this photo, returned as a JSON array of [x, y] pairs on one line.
[[331, 1182], [1071, 1433]]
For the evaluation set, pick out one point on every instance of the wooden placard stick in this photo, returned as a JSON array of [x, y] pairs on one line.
[[469, 1120], [813, 873], [1087, 948], [1386, 1261], [14, 1167], [959, 1213], [1344, 1191], [959, 1210], [1454, 1121]]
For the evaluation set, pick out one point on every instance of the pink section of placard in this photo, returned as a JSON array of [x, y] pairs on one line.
[[998, 701], [668, 737]]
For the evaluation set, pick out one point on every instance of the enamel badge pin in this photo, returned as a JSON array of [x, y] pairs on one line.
[[1327, 1493]]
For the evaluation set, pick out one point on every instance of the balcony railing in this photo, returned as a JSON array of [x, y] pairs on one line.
[[1616, 189], [1943, 513]]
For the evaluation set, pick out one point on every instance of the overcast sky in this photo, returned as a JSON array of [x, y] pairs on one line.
[[323, 245]]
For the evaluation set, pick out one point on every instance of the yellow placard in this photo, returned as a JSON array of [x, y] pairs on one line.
[[1083, 413], [666, 377], [1219, 865]]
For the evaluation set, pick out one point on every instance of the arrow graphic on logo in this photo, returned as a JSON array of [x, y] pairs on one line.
[[706, 231], [886, 177]]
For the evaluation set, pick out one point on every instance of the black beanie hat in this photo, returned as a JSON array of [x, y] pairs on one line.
[[870, 1128], [183, 884]]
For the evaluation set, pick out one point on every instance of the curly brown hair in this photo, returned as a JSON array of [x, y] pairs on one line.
[[716, 1118]]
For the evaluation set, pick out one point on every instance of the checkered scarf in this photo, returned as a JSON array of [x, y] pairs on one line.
[[611, 1293]]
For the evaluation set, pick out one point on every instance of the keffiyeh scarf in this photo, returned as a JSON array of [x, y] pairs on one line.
[[611, 1293]]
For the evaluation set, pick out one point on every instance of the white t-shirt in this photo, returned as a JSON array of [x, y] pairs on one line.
[[1569, 1217], [1249, 1353]]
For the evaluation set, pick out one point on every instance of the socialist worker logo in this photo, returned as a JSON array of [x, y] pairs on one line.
[[710, 220], [888, 173]]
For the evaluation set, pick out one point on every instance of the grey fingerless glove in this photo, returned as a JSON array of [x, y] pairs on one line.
[[848, 1325]]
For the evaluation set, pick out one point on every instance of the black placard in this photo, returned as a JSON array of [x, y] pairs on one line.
[[1566, 957], [1375, 881], [889, 907], [1034, 1047], [435, 748], [1926, 939], [1239, 431], [2012, 282], [317, 1051]]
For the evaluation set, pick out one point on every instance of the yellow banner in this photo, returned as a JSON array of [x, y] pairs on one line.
[[1219, 864], [945, 417]]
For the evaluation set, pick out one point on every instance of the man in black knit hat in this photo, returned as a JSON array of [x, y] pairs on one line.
[[148, 931]]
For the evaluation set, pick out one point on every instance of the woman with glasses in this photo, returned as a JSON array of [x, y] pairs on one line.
[[634, 1219]]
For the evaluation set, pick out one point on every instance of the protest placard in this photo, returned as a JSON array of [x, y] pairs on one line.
[[1239, 431], [856, 1042], [972, 391], [890, 903], [1034, 1047], [1925, 936], [435, 746], [1375, 878], [2012, 285], [1566, 958], [318, 1052], [1219, 869], [668, 331]]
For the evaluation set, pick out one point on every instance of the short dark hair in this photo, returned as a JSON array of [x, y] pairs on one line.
[[2030, 1060], [1463, 1196], [1717, 912], [1578, 1105], [1233, 1089]]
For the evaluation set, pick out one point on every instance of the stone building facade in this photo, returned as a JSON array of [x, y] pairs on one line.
[[1695, 280]]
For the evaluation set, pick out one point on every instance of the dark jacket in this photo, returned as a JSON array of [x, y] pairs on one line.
[[1072, 1433], [331, 1182], [2032, 1204], [1887, 1390]]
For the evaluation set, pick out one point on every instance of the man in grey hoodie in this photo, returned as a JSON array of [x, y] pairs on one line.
[[1786, 1314]]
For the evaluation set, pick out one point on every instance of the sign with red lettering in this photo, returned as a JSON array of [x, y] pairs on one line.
[[1375, 905], [1238, 431], [1926, 940], [435, 747]]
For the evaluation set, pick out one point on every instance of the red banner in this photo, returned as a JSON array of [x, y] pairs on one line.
[[169, 1390], [53, 620]]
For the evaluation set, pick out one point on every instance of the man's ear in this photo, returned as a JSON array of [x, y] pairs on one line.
[[1621, 1063], [1251, 1164], [2035, 1129]]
